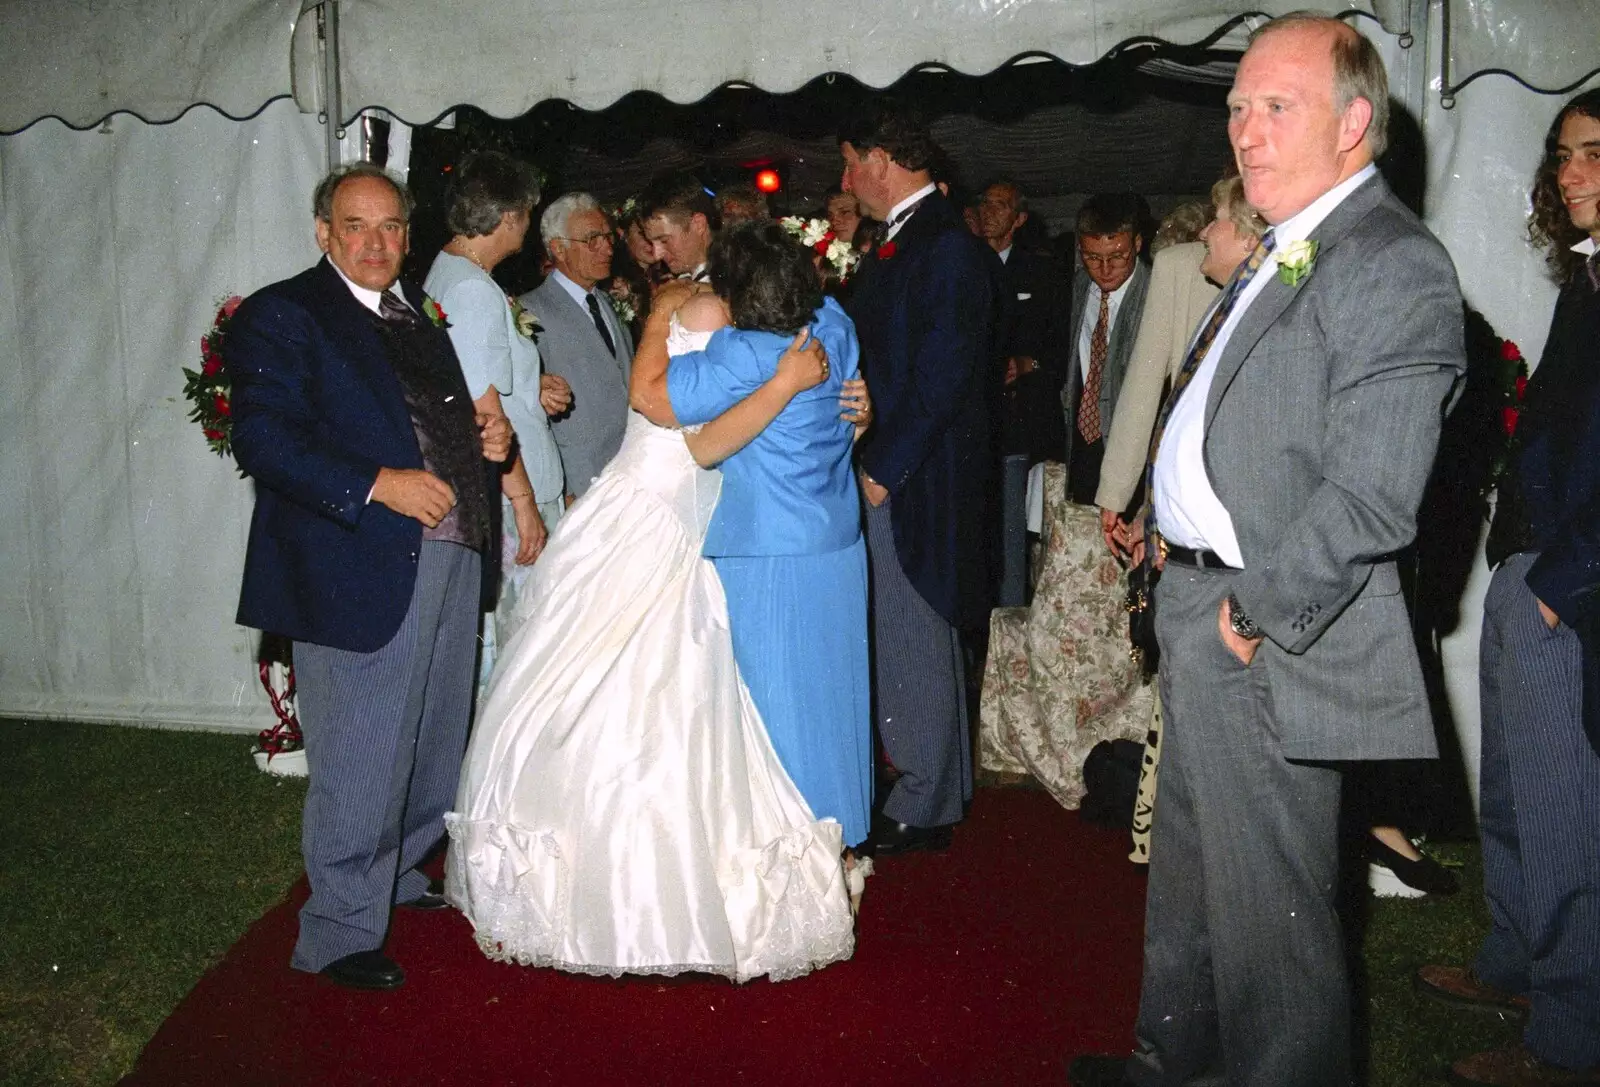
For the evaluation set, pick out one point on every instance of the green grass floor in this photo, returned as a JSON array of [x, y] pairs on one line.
[[134, 858]]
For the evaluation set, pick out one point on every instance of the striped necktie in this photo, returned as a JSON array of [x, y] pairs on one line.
[[1208, 334]]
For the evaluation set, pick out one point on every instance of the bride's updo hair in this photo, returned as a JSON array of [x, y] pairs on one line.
[[767, 278]]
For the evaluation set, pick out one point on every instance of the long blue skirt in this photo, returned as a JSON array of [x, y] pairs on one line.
[[800, 637]]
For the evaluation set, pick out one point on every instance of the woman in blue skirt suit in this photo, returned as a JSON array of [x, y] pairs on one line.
[[786, 535]]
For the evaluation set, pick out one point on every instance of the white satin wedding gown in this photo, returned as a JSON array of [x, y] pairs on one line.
[[621, 808]]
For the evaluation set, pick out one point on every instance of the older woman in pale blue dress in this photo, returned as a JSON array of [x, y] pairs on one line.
[[490, 208]]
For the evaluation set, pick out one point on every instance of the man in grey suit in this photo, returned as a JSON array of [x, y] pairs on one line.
[[583, 340], [1290, 463], [1108, 293]]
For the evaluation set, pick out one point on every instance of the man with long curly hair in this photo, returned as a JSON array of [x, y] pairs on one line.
[[1539, 668]]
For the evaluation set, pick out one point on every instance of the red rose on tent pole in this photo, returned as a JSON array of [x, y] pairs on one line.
[[209, 389], [1511, 387]]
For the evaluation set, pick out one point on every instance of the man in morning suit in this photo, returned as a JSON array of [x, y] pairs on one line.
[[1539, 811], [372, 513], [583, 340], [924, 305], [1033, 346], [1290, 462]]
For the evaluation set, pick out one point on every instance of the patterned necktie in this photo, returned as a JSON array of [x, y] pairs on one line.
[[395, 311], [1592, 266], [1089, 402], [1208, 333], [600, 323]]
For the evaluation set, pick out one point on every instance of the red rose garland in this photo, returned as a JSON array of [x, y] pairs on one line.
[[208, 391], [1511, 387]]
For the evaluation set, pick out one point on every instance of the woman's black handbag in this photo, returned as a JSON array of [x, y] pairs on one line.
[[1141, 605]]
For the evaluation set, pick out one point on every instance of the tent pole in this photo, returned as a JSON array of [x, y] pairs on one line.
[[333, 130]]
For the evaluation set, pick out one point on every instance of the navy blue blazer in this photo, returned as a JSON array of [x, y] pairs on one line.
[[925, 308], [317, 410]]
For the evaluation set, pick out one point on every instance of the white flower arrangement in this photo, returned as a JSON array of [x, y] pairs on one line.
[[816, 234]]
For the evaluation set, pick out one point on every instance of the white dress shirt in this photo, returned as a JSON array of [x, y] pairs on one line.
[[1188, 512], [580, 296], [1091, 317], [367, 296], [901, 206]]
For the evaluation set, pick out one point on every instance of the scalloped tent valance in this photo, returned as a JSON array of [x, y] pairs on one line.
[[83, 60]]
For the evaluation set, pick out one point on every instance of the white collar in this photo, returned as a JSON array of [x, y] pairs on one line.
[[578, 293], [1300, 225], [1005, 254], [1586, 247], [1121, 292], [366, 295], [907, 202]]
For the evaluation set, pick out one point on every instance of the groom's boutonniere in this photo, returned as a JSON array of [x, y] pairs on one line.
[[886, 250], [1296, 261], [435, 313], [528, 325]]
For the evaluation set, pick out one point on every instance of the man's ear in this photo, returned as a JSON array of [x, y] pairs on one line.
[[324, 234], [702, 225], [1022, 217], [1138, 243], [1353, 124]]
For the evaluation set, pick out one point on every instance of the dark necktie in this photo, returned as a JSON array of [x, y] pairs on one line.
[[1089, 402], [394, 311], [1208, 334], [1592, 266], [600, 323]]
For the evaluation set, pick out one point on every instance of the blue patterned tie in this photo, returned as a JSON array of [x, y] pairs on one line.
[[1241, 278]]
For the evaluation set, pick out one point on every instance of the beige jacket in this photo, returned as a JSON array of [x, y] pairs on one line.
[[1179, 297]]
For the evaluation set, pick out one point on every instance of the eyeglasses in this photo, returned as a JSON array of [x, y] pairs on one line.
[[1107, 260], [591, 240]]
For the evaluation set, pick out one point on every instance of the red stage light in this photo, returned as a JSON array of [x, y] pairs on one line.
[[768, 181]]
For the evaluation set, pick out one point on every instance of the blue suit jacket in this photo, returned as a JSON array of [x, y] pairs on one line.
[[791, 491], [926, 314], [317, 410]]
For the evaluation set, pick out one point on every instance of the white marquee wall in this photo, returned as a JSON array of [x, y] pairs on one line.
[[122, 538]]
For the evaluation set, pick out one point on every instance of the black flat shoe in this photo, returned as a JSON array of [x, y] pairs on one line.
[[431, 899], [365, 970], [889, 838], [1391, 874]]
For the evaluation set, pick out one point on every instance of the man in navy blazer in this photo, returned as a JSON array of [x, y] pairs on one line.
[[372, 512], [925, 305]]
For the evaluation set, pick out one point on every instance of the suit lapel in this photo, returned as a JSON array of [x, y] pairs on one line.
[[1276, 296], [351, 333], [579, 314]]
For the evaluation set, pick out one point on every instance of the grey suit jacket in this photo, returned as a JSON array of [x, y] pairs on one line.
[[590, 433], [1118, 349], [1321, 427], [1179, 296]]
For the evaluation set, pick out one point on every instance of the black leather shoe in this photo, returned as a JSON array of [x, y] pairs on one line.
[[1094, 1070], [365, 970], [889, 838], [431, 899]]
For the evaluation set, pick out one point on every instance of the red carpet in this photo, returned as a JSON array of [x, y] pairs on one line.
[[990, 964]]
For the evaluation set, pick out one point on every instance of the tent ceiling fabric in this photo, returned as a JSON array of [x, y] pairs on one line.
[[82, 60], [591, 52]]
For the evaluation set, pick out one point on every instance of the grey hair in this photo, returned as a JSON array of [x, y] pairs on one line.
[[553, 223], [1358, 71], [484, 187], [322, 198]]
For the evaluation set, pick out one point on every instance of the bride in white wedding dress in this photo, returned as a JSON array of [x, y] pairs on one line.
[[621, 809]]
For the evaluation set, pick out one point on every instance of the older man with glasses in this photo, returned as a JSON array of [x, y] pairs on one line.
[[583, 340]]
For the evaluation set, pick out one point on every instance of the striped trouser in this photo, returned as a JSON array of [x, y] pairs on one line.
[[1539, 821], [385, 732]]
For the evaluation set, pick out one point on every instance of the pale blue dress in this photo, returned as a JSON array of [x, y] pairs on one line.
[[786, 542], [492, 352]]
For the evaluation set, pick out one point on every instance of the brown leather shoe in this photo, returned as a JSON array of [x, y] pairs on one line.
[[1458, 985], [1514, 1066]]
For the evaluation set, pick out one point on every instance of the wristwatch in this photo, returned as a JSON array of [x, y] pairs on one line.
[[1244, 626]]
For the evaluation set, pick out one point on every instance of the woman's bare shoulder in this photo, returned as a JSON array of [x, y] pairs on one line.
[[703, 313]]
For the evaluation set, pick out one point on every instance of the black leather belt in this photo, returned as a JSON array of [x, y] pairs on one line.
[[1188, 556]]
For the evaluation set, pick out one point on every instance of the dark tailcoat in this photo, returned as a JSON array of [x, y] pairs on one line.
[[1038, 303], [925, 308]]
